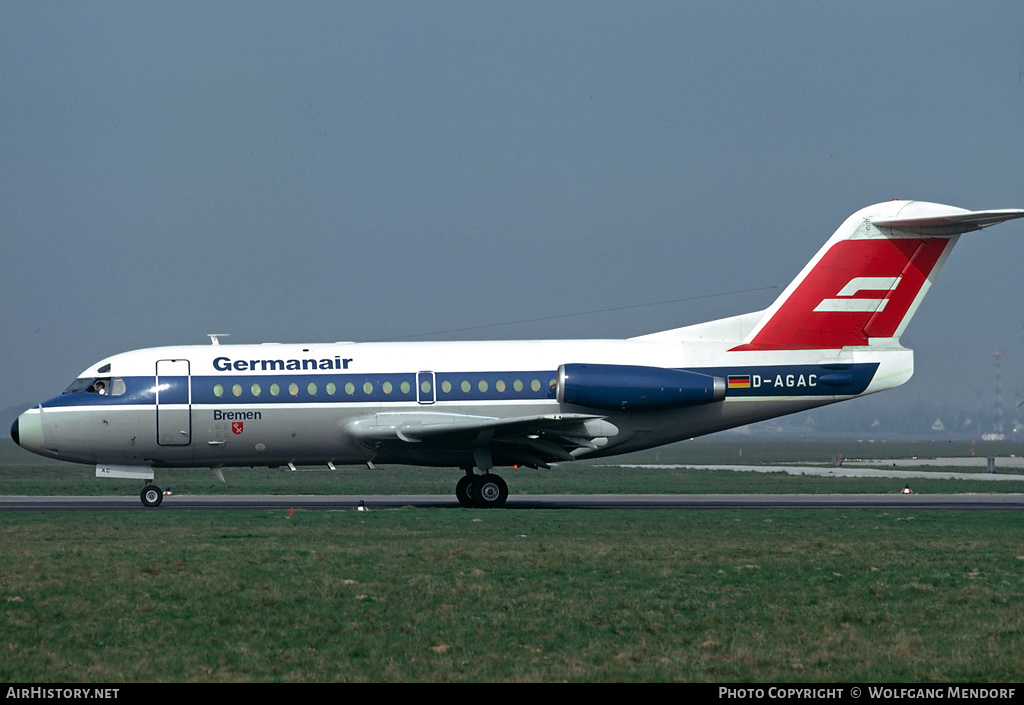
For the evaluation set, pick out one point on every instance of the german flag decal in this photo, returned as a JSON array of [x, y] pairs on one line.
[[739, 381]]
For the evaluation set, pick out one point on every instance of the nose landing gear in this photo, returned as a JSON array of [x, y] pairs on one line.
[[152, 496]]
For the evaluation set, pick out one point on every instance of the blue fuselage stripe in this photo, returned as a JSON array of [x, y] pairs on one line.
[[332, 387]]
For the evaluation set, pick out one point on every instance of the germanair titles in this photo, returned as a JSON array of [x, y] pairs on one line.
[[226, 364]]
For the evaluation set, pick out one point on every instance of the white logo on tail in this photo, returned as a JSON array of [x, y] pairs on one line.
[[856, 285]]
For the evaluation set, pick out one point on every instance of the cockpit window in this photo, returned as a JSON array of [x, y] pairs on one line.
[[78, 385], [114, 386]]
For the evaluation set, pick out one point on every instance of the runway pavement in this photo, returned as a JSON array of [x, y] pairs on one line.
[[1008, 471], [563, 501]]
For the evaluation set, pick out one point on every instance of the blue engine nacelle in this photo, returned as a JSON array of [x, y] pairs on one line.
[[635, 388]]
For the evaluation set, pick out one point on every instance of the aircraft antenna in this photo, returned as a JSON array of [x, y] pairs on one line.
[[215, 337]]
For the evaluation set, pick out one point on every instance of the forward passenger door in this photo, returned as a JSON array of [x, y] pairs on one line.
[[173, 403]]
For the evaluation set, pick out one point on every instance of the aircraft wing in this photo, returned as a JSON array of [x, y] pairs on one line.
[[533, 441], [952, 223]]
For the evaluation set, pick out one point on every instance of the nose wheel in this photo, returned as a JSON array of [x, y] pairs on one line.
[[152, 496]]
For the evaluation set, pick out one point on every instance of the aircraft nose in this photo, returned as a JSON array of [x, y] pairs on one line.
[[27, 431]]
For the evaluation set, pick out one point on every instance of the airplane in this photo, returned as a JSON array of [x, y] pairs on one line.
[[832, 335]]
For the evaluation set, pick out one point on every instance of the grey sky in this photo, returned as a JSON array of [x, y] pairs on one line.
[[303, 172]]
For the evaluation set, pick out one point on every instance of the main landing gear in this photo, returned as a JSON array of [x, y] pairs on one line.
[[485, 491]]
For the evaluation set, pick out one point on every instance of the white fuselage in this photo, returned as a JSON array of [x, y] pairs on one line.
[[271, 404]]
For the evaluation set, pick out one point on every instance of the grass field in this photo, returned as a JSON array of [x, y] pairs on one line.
[[512, 595], [437, 595]]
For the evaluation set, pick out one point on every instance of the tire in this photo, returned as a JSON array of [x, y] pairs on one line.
[[152, 496], [489, 492], [464, 490]]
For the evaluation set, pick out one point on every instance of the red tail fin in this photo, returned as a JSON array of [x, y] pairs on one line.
[[869, 278]]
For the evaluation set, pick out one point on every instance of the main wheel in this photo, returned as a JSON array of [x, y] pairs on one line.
[[464, 489], [489, 491], [152, 496]]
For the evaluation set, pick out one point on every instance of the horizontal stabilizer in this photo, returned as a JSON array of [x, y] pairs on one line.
[[953, 223]]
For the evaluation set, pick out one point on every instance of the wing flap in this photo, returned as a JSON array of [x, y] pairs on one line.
[[413, 427], [526, 440]]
